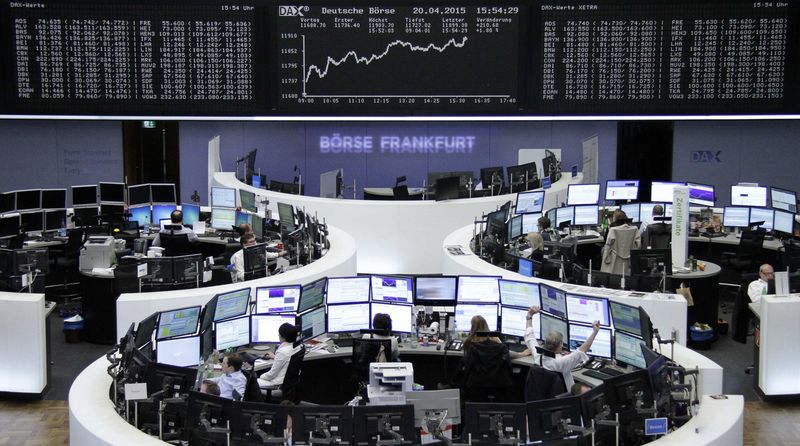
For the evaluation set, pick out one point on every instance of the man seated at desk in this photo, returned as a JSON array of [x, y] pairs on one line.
[[758, 287], [237, 259], [232, 378], [176, 218], [653, 234]]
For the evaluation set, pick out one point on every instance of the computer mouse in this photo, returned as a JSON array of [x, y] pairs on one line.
[[439, 347]]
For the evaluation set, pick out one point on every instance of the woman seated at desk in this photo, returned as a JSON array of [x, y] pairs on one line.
[[536, 243], [383, 322], [486, 366], [287, 333]]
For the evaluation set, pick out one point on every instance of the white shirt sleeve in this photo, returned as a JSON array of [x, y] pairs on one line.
[[756, 289], [531, 342], [237, 260], [282, 357]]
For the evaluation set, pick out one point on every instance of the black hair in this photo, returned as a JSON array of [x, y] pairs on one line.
[[247, 238], [382, 321], [288, 332]]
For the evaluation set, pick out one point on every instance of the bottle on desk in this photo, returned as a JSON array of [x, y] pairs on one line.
[[62, 231]]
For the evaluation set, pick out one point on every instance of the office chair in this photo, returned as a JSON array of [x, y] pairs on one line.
[[746, 257], [487, 372], [288, 390], [17, 241], [176, 244], [367, 351], [252, 391], [126, 278], [658, 236], [66, 262], [543, 384], [401, 192]]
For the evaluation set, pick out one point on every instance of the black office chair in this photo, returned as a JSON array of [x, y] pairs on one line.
[[66, 263], [365, 352], [487, 374], [252, 391], [746, 257], [126, 277], [176, 244], [401, 192], [543, 384], [288, 390], [740, 320], [658, 236]]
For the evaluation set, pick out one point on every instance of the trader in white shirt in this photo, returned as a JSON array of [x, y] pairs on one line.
[[758, 287], [233, 378], [287, 333], [176, 218], [553, 342], [237, 259]]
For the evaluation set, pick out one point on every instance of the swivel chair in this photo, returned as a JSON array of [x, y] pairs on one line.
[[747, 256], [66, 262], [365, 352], [658, 236], [543, 384], [487, 373], [288, 390], [176, 244]]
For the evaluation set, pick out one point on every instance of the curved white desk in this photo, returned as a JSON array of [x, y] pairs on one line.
[[667, 311], [397, 237], [340, 260], [718, 423]]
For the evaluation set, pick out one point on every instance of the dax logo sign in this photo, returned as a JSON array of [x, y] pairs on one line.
[[292, 11], [706, 156]]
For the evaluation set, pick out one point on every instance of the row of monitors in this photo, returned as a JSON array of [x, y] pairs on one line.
[[770, 219], [50, 220], [148, 215], [86, 195], [699, 194], [225, 197]]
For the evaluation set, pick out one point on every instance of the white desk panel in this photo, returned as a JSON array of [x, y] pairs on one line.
[[23, 343]]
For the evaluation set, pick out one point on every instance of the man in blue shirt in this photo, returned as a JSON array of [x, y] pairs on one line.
[[233, 378]]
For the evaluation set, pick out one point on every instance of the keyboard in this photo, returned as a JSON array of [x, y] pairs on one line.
[[602, 373], [586, 237], [344, 342], [610, 371]]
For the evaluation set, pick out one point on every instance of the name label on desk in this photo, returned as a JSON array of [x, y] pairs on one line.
[[141, 270], [135, 391], [655, 426]]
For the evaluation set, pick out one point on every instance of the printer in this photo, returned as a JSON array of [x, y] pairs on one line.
[[98, 252], [389, 382]]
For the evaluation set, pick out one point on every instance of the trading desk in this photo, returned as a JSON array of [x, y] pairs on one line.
[[777, 351]]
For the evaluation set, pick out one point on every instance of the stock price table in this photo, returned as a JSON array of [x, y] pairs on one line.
[[405, 59]]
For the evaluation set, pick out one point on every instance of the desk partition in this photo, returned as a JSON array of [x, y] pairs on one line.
[[23, 343]]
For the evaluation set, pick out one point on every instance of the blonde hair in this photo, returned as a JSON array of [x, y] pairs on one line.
[[536, 241], [478, 324]]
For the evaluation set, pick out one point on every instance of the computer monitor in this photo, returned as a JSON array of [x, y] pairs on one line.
[[630, 392], [331, 424], [28, 200], [277, 299], [766, 215], [628, 350], [565, 214], [400, 314], [519, 294], [651, 262], [8, 202], [139, 194], [580, 194], [626, 318], [286, 215], [144, 331], [435, 290], [447, 188], [701, 194], [586, 215], [601, 347], [735, 217], [551, 324], [434, 403], [496, 225], [53, 199], [525, 267], [55, 219], [191, 214], [742, 195], [231, 304], [163, 211], [207, 343], [312, 323], [256, 420], [112, 192], [140, 214], [348, 317], [529, 202], [373, 422], [222, 218], [174, 380], [180, 322], [242, 218], [513, 322], [181, 352], [110, 210], [588, 309], [465, 312], [163, 193], [478, 289], [492, 177], [530, 222], [9, 225], [515, 227], [783, 222], [545, 418], [392, 289], [523, 176], [631, 210], [83, 195], [248, 200], [208, 418], [622, 189], [264, 327], [32, 221], [554, 301], [232, 333], [312, 295], [495, 423], [347, 290], [663, 191], [783, 199]]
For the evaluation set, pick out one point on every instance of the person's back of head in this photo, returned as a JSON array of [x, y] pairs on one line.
[[382, 321], [176, 217], [235, 361], [619, 217], [210, 387], [536, 241], [478, 324], [658, 210], [245, 228], [544, 222], [288, 332], [553, 341]]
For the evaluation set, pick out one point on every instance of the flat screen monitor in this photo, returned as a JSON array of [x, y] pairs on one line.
[[628, 350], [277, 299], [578, 194], [232, 333], [735, 217], [588, 309], [435, 290], [224, 197], [465, 313], [748, 195], [766, 215], [55, 219], [112, 209], [530, 222], [342, 290], [551, 324], [701, 194], [312, 295], [525, 267], [646, 212], [400, 315], [783, 222], [83, 195], [9, 225], [492, 177], [631, 210], [586, 215], [554, 301], [312, 323], [651, 262], [180, 352], [264, 327], [112, 192], [163, 211], [139, 194], [180, 322], [529, 202], [86, 216], [8, 202], [662, 192], [242, 218], [565, 214], [28, 200], [622, 189], [222, 218], [32, 221], [513, 322], [783, 199], [140, 214], [626, 318], [496, 225], [286, 215], [144, 331], [392, 289], [601, 347], [348, 317], [248, 200], [163, 223], [191, 214], [519, 294], [232, 304], [163, 193], [478, 289], [54, 198], [515, 227]]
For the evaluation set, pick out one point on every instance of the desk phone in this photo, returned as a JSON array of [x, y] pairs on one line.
[[454, 345]]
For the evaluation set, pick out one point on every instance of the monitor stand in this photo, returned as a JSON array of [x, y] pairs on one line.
[[261, 347]]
